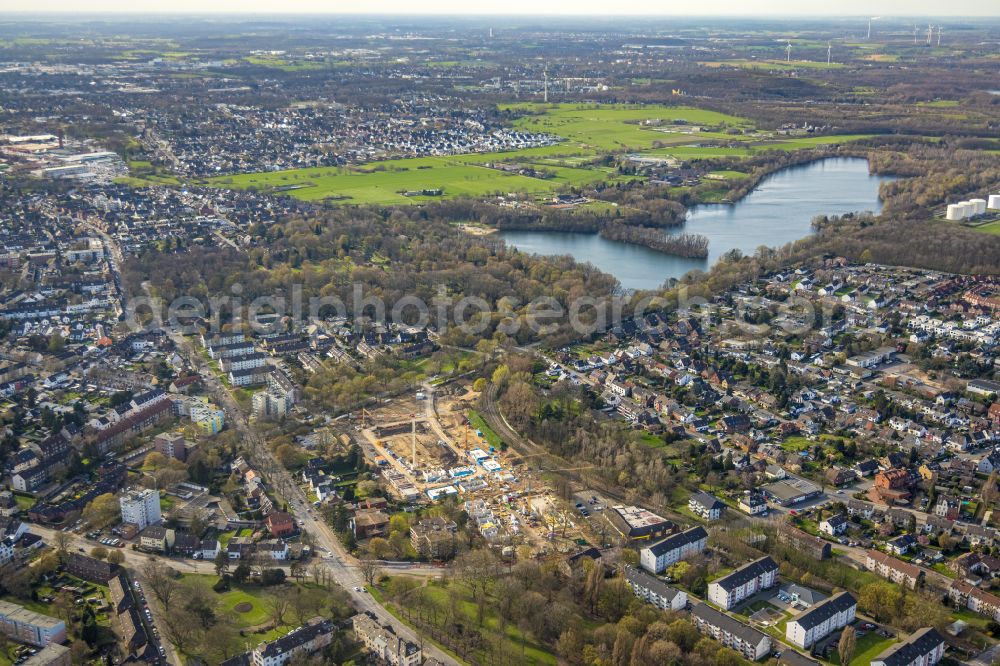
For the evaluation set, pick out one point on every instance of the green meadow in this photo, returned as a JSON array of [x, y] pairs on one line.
[[587, 131], [615, 128]]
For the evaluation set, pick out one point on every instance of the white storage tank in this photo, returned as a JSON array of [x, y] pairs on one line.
[[994, 203], [967, 209], [978, 206], [955, 212]]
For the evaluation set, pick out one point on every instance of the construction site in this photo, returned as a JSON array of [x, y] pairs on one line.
[[427, 449]]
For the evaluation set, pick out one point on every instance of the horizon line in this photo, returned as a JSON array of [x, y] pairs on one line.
[[476, 15]]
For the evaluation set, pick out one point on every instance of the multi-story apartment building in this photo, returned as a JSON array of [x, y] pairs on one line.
[[25, 626], [743, 583], [140, 507], [819, 621], [976, 600], [898, 571], [924, 647], [653, 590], [676, 547], [311, 637], [746, 640], [707, 506], [383, 642]]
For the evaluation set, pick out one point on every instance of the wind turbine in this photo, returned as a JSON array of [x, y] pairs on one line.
[[939, 36], [546, 85], [930, 33], [914, 33], [788, 52], [829, 50]]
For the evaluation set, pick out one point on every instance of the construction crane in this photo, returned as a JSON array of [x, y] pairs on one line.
[[413, 440]]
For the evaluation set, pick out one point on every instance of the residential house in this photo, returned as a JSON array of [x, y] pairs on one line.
[[753, 503], [901, 545], [311, 637], [709, 507], [434, 538], [26, 626], [834, 525], [366, 524], [157, 538], [280, 524]]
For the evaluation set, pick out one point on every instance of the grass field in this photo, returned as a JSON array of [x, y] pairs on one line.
[[255, 617], [586, 131], [385, 182], [990, 228], [615, 128], [774, 64], [867, 648], [489, 435], [797, 443]]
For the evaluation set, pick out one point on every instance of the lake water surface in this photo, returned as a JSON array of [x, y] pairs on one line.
[[778, 211]]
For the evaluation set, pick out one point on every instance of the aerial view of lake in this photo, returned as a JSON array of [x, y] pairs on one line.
[[778, 211]]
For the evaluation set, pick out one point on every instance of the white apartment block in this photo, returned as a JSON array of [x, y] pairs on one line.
[[821, 620], [745, 582], [140, 507], [654, 591], [676, 547]]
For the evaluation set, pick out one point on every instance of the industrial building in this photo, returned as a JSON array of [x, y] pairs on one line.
[[634, 522]]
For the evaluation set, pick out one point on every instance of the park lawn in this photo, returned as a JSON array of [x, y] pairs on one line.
[[726, 174], [489, 435], [255, 596], [867, 648]]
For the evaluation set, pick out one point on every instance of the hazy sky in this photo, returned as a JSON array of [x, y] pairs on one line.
[[571, 7]]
